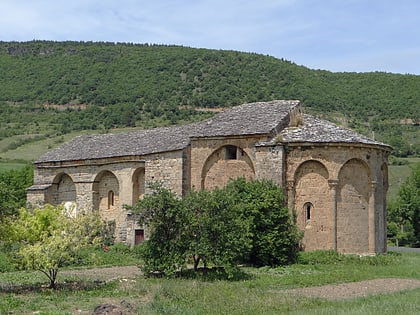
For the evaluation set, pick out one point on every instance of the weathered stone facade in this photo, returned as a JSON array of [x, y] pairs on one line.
[[334, 179]]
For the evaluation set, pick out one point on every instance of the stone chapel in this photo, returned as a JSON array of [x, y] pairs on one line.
[[333, 178]]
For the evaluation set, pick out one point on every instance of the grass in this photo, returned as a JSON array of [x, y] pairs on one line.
[[259, 291], [11, 165], [397, 174]]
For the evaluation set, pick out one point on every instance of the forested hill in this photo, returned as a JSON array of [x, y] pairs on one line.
[[131, 82]]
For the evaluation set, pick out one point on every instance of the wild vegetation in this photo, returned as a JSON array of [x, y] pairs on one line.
[[52, 91], [52, 88], [254, 291], [404, 211]]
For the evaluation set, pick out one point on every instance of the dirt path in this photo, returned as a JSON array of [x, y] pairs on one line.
[[330, 292], [104, 274], [357, 289]]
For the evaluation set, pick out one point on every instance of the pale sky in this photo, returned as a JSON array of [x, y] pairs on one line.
[[335, 35]]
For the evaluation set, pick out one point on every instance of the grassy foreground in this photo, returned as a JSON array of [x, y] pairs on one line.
[[254, 291]]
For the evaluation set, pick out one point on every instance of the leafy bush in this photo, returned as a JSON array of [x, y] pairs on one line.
[[242, 222], [6, 261]]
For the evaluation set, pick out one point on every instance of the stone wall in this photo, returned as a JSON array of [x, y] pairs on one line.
[[107, 185], [338, 191], [214, 161], [345, 189], [270, 163]]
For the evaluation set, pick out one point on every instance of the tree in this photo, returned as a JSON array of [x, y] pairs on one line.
[[243, 222], [162, 212], [275, 237], [217, 234], [406, 209], [48, 238], [13, 185]]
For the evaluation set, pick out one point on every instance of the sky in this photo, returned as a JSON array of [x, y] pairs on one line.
[[334, 35]]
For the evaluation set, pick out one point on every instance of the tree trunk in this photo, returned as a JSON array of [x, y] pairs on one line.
[[196, 262]]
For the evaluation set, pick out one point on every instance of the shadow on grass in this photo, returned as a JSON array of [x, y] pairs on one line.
[[207, 274], [42, 287]]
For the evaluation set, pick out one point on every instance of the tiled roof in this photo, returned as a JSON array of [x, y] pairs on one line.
[[247, 119], [263, 118], [315, 130]]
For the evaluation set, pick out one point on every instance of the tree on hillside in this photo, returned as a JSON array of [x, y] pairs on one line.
[[47, 238]]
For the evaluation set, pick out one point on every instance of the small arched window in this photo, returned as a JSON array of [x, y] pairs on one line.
[[110, 199], [308, 209]]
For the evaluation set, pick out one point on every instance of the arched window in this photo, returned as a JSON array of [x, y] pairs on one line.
[[307, 208], [110, 199]]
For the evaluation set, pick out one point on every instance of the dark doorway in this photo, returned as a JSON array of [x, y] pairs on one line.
[[139, 236]]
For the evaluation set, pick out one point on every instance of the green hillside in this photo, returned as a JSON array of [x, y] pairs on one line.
[[50, 89]]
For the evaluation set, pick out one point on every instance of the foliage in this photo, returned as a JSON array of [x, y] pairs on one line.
[[58, 87], [49, 239], [263, 291], [275, 238], [405, 211], [13, 185], [113, 255], [163, 213], [204, 226], [243, 222], [217, 232], [318, 257]]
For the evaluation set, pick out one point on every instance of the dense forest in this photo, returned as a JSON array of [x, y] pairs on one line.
[[53, 88]]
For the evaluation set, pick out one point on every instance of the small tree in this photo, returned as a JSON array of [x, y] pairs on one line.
[[48, 238], [406, 209], [245, 221], [217, 234], [162, 212], [205, 226]]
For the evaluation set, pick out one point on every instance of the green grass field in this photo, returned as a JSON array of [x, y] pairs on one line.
[[256, 291], [397, 174]]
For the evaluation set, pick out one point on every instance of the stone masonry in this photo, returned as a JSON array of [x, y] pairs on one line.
[[334, 179]]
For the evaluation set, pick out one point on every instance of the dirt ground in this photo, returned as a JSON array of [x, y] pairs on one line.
[[357, 289], [104, 274], [330, 292]]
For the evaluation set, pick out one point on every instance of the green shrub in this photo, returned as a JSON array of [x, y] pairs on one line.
[[6, 262], [332, 257]]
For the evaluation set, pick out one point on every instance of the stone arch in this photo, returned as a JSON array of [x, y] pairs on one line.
[[63, 190], [226, 163], [313, 201], [353, 193], [105, 186], [139, 184]]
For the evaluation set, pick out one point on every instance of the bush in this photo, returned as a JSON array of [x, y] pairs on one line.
[[6, 261]]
